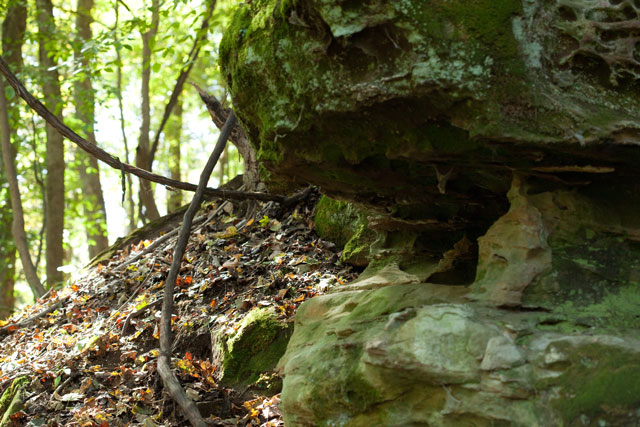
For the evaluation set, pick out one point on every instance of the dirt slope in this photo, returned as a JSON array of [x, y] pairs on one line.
[[89, 350]]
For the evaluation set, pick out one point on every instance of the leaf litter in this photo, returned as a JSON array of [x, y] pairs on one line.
[[90, 348]]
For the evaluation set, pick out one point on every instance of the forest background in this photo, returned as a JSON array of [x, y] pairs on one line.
[[110, 70]]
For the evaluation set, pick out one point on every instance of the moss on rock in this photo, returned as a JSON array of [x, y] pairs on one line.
[[347, 226], [254, 348], [598, 378], [337, 221], [422, 113], [420, 107], [11, 400], [372, 73]]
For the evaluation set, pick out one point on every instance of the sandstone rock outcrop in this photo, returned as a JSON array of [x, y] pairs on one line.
[[494, 149]]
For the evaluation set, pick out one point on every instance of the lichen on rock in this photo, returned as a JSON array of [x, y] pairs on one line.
[[493, 148], [411, 353]]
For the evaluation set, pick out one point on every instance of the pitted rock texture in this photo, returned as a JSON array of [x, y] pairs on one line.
[[607, 32]]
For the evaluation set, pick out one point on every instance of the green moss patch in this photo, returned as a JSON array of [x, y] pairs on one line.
[[254, 349], [11, 400], [600, 380], [347, 226], [337, 221], [618, 310]]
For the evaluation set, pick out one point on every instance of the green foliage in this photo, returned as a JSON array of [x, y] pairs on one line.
[[109, 49]]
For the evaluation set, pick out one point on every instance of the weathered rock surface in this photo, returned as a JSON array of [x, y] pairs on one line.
[[418, 354], [424, 109], [491, 150], [253, 349]]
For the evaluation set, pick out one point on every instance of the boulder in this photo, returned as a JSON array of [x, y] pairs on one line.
[[247, 355], [409, 353], [483, 157]]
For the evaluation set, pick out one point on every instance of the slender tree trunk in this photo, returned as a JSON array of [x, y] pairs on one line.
[[13, 30], [224, 159], [8, 269], [13, 26], [37, 175], [54, 215], [17, 229], [7, 249], [251, 177], [173, 134], [143, 152], [84, 99], [130, 203]]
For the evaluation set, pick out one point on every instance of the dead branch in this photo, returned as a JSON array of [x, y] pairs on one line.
[[115, 163], [153, 246], [26, 322], [238, 137], [164, 360]]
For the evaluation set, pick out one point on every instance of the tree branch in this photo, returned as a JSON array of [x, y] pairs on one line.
[[115, 163], [239, 138], [164, 360]]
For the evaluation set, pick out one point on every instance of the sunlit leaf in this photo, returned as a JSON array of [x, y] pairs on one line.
[[72, 397]]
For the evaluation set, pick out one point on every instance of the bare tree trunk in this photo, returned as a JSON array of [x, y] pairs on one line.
[[13, 29], [8, 264], [219, 114], [130, 203], [12, 36], [223, 165], [17, 229], [84, 99], [7, 249], [173, 134], [37, 174], [143, 153], [54, 215]]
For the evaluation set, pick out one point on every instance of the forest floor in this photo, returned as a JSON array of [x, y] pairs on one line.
[[89, 349]]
